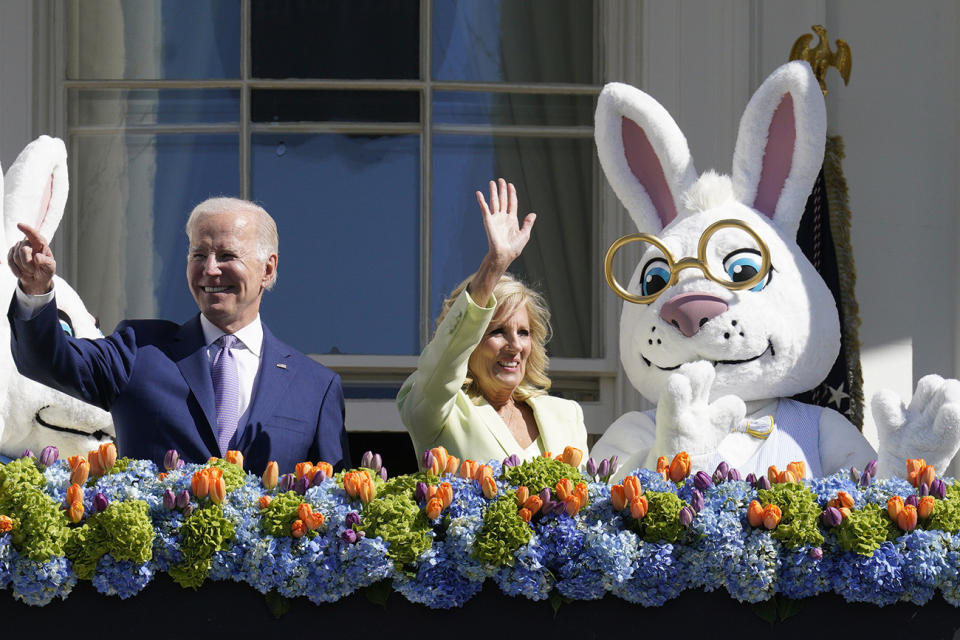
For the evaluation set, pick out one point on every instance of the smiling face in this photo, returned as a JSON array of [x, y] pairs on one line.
[[499, 363], [224, 272]]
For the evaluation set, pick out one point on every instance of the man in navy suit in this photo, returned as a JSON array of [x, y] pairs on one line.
[[154, 376]]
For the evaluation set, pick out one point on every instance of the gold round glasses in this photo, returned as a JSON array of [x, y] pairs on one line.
[[676, 266]]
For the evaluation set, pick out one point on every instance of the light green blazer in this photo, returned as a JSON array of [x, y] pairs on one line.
[[436, 411]]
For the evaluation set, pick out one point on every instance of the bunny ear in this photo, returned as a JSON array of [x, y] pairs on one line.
[[780, 145], [643, 154], [36, 188]]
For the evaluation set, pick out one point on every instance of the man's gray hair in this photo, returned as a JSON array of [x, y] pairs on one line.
[[268, 240]]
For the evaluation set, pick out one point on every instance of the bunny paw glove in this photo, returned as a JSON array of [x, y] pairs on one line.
[[928, 428]]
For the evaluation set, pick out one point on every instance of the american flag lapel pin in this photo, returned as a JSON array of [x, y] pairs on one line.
[[281, 365]]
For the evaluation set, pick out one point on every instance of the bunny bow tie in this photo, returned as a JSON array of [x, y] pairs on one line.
[[757, 427]]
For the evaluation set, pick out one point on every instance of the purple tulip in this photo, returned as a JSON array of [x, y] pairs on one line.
[[614, 464], [831, 517], [751, 480], [591, 467], [686, 516], [180, 463], [183, 499], [511, 461], [912, 500], [427, 459], [383, 473], [420, 494], [544, 495], [49, 455], [702, 481], [816, 553], [854, 475], [286, 482], [349, 536], [301, 485], [352, 520], [938, 489], [551, 506], [27, 453], [871, 468], [318, 478], [733, 475], [367, 460], [924, 489], [603, 469], [866, 478], [377, 462], [696, 500], [170, 459], [188, 510], [720, 473], [169, 500], [763, 482], [100, 502]]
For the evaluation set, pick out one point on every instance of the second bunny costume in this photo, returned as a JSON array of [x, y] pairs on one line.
[[728, 318]]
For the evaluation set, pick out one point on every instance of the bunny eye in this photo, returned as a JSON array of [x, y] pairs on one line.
[[744, 264], [655, 276]]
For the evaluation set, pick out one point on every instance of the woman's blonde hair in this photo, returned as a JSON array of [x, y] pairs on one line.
[[510, 294]]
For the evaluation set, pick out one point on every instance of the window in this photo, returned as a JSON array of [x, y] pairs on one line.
[[364, 128]]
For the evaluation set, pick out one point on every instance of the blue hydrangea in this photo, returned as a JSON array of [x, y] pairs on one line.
[[950, 577], [801, 574], [924, 564], [7, 557], [528, 577], [877, 578], [121, 577], [753, 578], [438, 582], [656, 578], [611, 552], [716, 543], [38, 583], [653, 481], [460, 535]]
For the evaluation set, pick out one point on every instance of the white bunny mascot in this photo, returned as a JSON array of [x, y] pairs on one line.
[[728, 320], [32, 415]]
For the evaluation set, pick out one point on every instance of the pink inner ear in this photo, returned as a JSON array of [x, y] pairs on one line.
[[646, 168], [777, 158], [44, 204]]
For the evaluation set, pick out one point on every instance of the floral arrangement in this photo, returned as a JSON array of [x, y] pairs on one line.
[[538, 529]]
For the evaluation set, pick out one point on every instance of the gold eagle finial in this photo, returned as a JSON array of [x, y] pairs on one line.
[[821, 57]]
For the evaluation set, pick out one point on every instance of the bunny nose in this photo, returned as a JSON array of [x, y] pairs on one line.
[[690, 311]]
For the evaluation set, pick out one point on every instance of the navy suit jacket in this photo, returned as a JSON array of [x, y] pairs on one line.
[[154, 378]]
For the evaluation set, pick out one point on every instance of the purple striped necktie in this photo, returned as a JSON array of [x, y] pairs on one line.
[[226, 387]]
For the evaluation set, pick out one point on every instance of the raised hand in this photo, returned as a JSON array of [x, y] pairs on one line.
[[928, 428], [688, 421], [32, 262], [506, 237]]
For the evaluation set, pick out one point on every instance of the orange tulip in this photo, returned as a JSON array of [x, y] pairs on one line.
[[468, 469], [200, 483], [773, 474], [894, 507], [368, 491], [75, 512], [572, 504], [914, 467], [270, 475], [453, 463], [844, 499], [533, 504], [563, 488], [663, 466], [298, 528], [304, 469], [218, 488], [317, 520], [6, 524], [631, 487], [755, 513], [771, 516], [521, 495], [326, 467], [80, 474], [582, 493], [74, 494], [305, 513], [926, 507], [907, 518], [680, 466], [618, 497], [799, 469], [162, 475], [351, 483], [484, 471], [926, 476], [525, 514], [96, 467], [234, 457], [265, 501], [108, 455], [434, 508], [572, 456], [788, 476], [546, 454], [489, 487], [844, 512], [639, 507], [445, 493]]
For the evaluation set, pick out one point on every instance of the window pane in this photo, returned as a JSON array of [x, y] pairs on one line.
[[336, 39], [106, 107], [134, 194], [513, 41], [553, 178], [468, 107], [348, 212], [281, 105], [151, 39]]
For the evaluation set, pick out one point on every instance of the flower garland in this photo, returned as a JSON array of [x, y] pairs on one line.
[[536, 529]]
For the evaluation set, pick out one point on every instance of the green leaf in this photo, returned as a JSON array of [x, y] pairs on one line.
[[378, 592], [277, 604], [766, 610]]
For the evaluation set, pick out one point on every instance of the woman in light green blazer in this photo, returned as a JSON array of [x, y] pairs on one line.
[[480, 388]]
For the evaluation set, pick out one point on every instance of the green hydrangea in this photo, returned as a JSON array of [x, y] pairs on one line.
[[403, 484], [41, 526], [502, 534], [234, 476], [401, 523], [541, 473], [800, 514], [282, 512], [946, 515], [120, 466], [662, 522], [18, 473], [202, 534], [864, 530], [123, 530]]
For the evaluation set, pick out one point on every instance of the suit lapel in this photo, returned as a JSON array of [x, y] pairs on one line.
[[497, 427], [187, 351], [276, 372]]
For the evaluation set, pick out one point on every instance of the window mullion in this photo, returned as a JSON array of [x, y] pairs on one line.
[[245, 116], [426, 154]]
